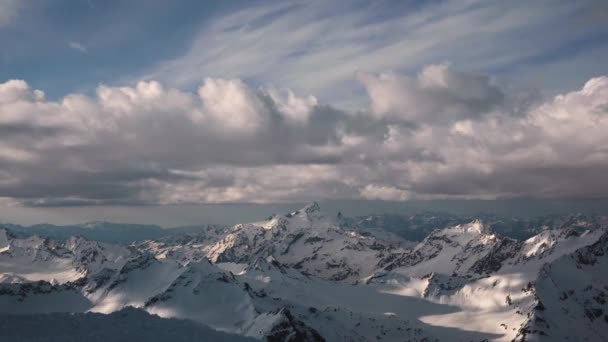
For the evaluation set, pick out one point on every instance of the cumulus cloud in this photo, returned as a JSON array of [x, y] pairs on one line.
[[441, 133], [232, 106], [295, 108], [438, 93]]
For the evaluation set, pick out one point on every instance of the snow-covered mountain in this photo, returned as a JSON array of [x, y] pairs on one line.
[[305, 240], [571, 297], [37, 258], [308, 277]]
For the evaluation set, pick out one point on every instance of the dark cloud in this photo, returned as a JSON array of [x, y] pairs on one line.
[[26, 130]]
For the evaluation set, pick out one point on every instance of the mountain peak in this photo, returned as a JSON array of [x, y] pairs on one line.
[[312, 207], [5, 237], [477, 226], [6, 232], [311, 211]]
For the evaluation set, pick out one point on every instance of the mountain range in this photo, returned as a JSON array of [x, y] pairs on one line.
[[307, 276]]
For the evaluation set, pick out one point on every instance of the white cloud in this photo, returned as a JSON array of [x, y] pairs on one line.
[[232, 106], [16, 90], [229, 142], [437, 94], [296, 109]]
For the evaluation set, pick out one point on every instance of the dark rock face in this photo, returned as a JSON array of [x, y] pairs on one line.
[[505, 249], [589, 256], [293, 330], [440, 284], [312, 208], [99, 280]]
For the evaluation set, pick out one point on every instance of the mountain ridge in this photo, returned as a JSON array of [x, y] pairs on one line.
[[308, 275]]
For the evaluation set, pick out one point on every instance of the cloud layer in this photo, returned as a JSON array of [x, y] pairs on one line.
[[442, 133]]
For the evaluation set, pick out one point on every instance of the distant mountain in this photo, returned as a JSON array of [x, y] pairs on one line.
[[418, 226], [408, 227], [306, 276], [118, 233]]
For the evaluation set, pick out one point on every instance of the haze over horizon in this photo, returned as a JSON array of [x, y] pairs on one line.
[[171, 216]]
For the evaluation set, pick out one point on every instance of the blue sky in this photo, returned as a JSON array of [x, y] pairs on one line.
[[311, 47], [117, 38]]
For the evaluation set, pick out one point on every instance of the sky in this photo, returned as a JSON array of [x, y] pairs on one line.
[[123, 104]]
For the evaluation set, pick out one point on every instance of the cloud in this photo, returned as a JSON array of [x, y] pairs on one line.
[[439, 133], [78, 47], [436, 94], [296, 109], [318, 46], [231, 106]]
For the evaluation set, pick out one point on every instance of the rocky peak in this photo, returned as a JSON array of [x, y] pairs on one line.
[[463, 233], [266, 264], [5, 237], [475, 227], [74, 243], [309, 215], [312, 208], [289, 328], [590, 254]]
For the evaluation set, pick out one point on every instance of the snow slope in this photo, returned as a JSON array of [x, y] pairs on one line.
[[490, 277]]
